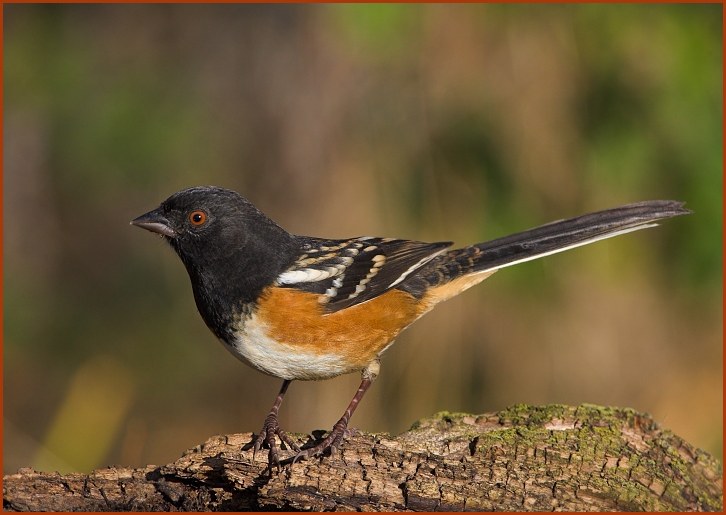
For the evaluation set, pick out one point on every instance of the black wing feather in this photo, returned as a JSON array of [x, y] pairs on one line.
[[353, 271]]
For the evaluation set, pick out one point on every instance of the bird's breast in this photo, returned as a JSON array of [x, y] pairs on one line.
[[288, 334]]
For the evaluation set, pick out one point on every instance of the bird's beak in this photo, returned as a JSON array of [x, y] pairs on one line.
[[154, 221]]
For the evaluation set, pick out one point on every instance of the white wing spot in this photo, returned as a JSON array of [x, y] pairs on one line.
[[307, 275]]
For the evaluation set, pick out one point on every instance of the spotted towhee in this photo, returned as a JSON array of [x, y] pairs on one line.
[[298, 307]]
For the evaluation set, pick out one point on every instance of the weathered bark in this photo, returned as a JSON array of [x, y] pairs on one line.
[[522, 458]]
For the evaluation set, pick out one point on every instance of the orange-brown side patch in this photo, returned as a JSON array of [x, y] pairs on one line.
[[359, 332]]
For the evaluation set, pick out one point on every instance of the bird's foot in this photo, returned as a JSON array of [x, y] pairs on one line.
[[266, 437], [330, 443]]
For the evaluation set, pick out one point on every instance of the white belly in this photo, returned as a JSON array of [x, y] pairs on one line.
[[258, 350]]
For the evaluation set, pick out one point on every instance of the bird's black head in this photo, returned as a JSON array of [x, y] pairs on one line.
[[231, 250]]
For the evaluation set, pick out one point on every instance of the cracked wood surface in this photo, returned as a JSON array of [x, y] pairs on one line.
[[523, 458]]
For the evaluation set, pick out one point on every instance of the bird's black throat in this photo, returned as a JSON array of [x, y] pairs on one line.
[[226, 283]]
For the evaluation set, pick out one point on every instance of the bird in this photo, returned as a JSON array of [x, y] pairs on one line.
[[309, 308]]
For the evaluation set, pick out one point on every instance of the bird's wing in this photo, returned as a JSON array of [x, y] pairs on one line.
[[352, 271]]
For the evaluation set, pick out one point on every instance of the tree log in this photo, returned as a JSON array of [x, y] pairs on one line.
[[523, 458]]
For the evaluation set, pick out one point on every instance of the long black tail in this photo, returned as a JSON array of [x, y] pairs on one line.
[[574, 232], [550, 239]]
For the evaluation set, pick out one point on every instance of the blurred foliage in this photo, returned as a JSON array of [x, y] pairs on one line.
[[431, 122]]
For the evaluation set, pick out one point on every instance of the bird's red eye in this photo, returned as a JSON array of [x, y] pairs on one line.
[[197, 217]]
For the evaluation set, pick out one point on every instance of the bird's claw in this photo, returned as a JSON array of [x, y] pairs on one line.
[[270, 430], [331, 443]]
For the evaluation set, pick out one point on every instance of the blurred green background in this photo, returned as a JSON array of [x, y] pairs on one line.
[[432, 122]]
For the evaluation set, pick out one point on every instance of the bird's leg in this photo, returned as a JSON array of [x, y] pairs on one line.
[[333, 440], [270, 428]]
